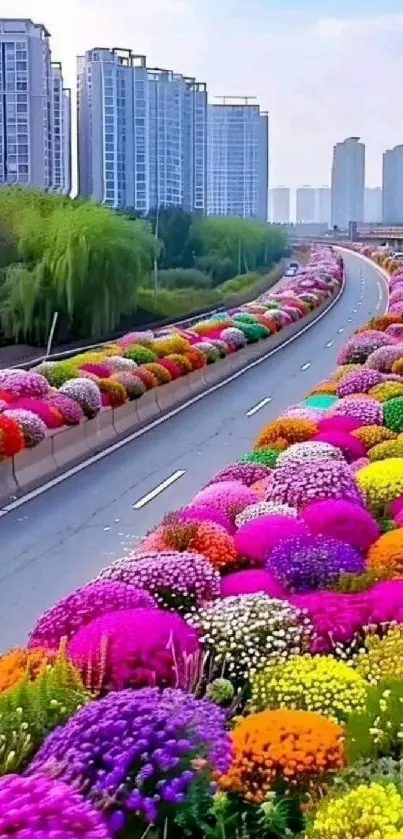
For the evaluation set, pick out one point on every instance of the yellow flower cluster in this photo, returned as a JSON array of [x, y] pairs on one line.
[[367, 812], [344, 370], [372, 435], [321, 684], [383, 451], [381, 482], [386, 390], [382, 656]]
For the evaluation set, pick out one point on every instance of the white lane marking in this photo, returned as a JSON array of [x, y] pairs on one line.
[[330, 343], [355, 311], [258, 406], [340, 330], [306, 365], [158, 489], [350, 320], [35, 493]]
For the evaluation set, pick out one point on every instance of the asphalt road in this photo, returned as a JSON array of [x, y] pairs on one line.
[[64, 536]]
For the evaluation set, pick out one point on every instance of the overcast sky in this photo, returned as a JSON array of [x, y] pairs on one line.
[[324, 70]]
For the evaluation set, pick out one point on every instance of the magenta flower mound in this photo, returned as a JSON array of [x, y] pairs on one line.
[[33, 428], [178, 580], [367, 410], [337, 618], [136, 753], [339, 519], [265, 508], [69, 614], [23, 383], [196, 513], [229, 497], [359, 381], [256, 539], [252, 581], [86, 393], [313, 481], [309, 451], [339, 423], [40, 408], [384, 358], [310, 562], [396, 506], [98, 369], [70, 410], [350, 446], [38, 807], [135, 648], [245, 473]]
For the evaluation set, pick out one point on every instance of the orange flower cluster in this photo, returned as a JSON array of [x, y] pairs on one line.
[[380, 323], [344, 370], [160, 373], [205, 538], [15, 664], [300, 747], [285, 431], [372, 435], [397, 366], [196, 358], [385, 556], [324, 387]]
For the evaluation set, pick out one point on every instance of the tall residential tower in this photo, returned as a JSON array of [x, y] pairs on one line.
[[142, 133], [348, 182], [35, 114], [392, 186]]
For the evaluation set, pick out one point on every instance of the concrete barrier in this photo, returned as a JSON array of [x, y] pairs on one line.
[[69, 444], [173, 393], [125, 418], [147, 406], [196, 382], [32, 465], [214, 373], [100, 431], [8, 484]]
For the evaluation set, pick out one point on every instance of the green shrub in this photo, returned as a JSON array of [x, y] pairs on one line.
[[183, 278]]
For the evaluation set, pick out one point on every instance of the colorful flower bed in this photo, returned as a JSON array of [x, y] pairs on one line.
[[35, 404], [239, 675]]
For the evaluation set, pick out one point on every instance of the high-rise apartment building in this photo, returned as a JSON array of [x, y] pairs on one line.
[[373, 204], [323, 205], [34, 110], [348, 182], [142, 133], [280, 205], [238, 160], [305, 204], [392, 186]]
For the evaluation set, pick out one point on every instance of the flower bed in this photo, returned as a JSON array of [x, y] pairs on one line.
[[240, 674], [37, 403]]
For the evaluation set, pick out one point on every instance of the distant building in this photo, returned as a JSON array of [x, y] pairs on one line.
[[323, 205], [35, 112], [238, 161], [348, 182], [142, 133], [305, 205], [392, 186], [373, 205], [280, 205]]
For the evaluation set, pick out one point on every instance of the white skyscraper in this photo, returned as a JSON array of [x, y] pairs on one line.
[[373, 204], [305, 204], [323, 205], [238, 161], [348, 182], [34, 110], [392, 186], [280, 205], [142, 133]]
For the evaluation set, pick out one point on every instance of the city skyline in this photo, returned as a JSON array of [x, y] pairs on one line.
[[312, 99]]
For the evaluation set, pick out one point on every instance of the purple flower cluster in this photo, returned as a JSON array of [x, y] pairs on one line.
[[70, 410], [367, 410], [361, 346], [85, 604], [234, 337], [311, 562], [86, 393], [384, 358], [37, 807], [23, 383], [359, 381], [135, 751], [313, 481], [33, 427], [245, 473], [177, 580]]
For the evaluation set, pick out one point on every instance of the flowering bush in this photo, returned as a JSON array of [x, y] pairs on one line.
[[86, 393], [384, 358], [256, 539], [161, 373], [371, 435], [339, 519], [205, 538], [386, 390], [229, 497], [282, 433], [39, 806], [251, 581], [382, 656], [339, 423], [301, 453], [326, 479], [358, 348], [245, 473], [360, 381], [385, 556], [33, 428], [70, 613], [243, 633], [134, 386], [11, 437], [393, 414], [365, 409], [134, 648], [139, 354], [69, 409], [196, 513], [22, 383], [134, 752], [176, 580], [263, 509], [350, 446], [264, 456], [319, 684], [381, 483], [302, 746], [386, 450], [58, 373], [18, 663], [305, 563]]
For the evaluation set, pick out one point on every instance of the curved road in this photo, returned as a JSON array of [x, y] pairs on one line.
[[64, 536]]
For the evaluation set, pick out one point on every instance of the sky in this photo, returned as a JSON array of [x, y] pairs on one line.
[[323, 69]]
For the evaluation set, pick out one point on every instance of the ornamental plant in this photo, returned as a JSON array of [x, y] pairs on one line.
[[86, 393], [70, 410], [39, 807], [135, 648], [71, 613], [386, 390], [119, 364], [11, 437], [47, 413], [385, 556], [372, 435], [114, 391], [351, 448], [262, 509], [255, 540], [303, 747], [251, 581], [367, 812], [360, 381], [196, 513], [139, 354], [58, 373], [305, 563], [312, 450], [18, 663], [205, 538], [179, 581], [229, 497], [384, 358], [31, 709], [33, 428], [381, 483], [386, 450], [377, 731], [323, 480], [342, 520], [365, 409], [245, 473], [160, 373], [134, 386], [310, 683], [393, 414], [23, 383], [138, 754], [382, 657], [241, 634], [282, 433]]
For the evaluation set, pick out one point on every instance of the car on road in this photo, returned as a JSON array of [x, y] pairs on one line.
[[292, 269]]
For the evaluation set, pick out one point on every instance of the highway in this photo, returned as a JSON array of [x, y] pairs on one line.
[[64, 536]]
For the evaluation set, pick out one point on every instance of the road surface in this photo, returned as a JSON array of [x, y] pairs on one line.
[[64, 536]]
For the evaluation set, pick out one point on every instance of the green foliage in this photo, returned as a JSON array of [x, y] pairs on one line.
[[248, 244], [231, 818], [378, 731], [183, 278], [58, 372], [243, 282], [183, 301], [354, 583], [34, 708]]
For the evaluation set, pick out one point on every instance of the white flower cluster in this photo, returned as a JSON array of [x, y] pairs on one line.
[[265, 508], [311, 450]]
